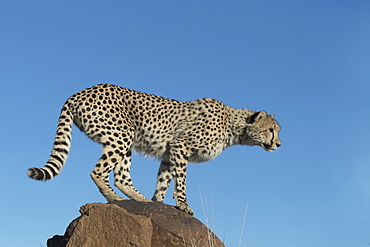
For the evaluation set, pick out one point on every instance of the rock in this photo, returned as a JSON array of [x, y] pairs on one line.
[[131, 223]]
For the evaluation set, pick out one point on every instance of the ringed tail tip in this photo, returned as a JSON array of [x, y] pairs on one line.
[[38, 174]]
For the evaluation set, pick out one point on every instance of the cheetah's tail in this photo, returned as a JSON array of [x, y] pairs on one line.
[[60, 150]]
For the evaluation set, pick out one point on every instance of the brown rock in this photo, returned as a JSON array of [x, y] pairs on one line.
[[131, 223]]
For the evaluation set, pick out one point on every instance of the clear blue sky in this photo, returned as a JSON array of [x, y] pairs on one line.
[[307, 62]]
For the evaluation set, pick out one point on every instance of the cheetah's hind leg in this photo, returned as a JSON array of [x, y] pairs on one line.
[[122, 179], [165, 174], [100, 174]]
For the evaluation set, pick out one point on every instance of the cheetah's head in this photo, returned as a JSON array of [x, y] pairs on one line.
[[263, 130]]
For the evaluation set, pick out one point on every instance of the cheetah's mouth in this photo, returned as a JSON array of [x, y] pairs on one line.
[[268, 147]]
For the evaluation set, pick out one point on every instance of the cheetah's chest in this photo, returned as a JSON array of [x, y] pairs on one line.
[[207, 153]]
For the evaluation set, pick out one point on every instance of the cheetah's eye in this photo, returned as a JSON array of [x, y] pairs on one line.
[[271, 130]]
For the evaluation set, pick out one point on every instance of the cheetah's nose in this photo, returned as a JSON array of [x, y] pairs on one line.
[[278, 144]]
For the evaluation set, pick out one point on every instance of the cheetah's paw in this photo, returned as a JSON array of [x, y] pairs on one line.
[[186, 209]]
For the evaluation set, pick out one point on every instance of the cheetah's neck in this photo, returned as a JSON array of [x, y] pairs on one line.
[[237, 125]]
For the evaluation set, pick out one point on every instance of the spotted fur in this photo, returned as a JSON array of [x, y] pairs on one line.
[[176, 132]]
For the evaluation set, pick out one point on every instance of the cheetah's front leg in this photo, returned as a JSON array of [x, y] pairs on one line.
[[179, 159]]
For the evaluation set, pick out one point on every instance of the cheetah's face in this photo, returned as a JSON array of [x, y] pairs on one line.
[[271, 138], [264, 132]]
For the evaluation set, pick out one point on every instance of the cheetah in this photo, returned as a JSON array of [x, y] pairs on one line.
[[175, 132]]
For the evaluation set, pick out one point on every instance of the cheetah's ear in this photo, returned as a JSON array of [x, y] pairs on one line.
[[272, 115], [261, 114], [258, 115]]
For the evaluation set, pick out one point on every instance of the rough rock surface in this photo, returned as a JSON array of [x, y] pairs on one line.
[[131, 223]]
